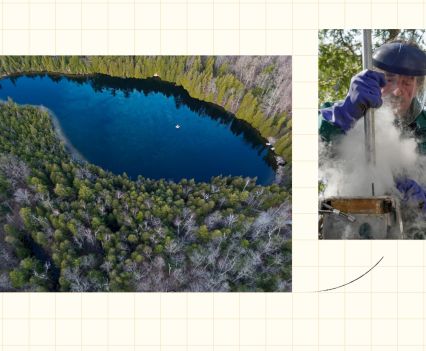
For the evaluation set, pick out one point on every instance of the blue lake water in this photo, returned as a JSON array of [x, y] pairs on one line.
[[129, 125]]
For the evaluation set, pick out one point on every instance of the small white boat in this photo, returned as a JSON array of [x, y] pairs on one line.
[[177, 126], [272, 148], [268, 144]]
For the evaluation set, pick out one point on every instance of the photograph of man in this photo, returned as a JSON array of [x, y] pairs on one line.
[[375, 188]]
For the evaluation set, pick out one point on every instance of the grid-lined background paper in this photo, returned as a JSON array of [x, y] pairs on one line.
[[385, 310]]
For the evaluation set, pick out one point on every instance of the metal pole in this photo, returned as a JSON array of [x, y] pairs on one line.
[[370, 142]]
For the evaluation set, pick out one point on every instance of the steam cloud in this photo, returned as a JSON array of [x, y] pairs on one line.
[[344, 169]]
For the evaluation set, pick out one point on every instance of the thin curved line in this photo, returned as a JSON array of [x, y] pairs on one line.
[[340, 286]]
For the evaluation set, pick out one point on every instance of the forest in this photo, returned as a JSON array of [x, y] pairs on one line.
[[67, 225]]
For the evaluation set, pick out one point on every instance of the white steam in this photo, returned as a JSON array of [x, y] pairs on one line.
[[346, 171]]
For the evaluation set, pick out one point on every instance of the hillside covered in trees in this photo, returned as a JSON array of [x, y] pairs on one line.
[[67, 225], [257, 89]]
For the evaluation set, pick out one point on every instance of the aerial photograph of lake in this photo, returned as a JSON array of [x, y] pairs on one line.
[[145, 173]]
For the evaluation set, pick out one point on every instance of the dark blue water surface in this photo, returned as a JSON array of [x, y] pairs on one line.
[[129, 125]]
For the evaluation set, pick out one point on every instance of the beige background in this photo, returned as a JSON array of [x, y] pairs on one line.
[[385, 310]]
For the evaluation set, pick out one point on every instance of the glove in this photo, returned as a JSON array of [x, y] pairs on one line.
[[412, 191], [364, 92]]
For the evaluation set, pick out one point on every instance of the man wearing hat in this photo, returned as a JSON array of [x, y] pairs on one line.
[[399, 80]]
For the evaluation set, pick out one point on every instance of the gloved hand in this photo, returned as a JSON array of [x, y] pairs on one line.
[[364, 92], [412, 191]]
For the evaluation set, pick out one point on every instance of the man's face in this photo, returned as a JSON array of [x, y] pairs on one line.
[[400, 92]]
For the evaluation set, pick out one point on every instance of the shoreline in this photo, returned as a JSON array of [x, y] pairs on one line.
[[57, 129], [157, 77], [74, 153], [277, 163]]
